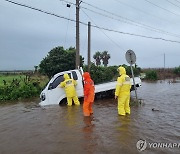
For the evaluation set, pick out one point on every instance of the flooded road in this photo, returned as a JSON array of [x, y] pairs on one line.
[[26, 128]]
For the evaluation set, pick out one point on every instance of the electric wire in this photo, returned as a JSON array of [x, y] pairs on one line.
[[177, 1], [110, 30], [125, 20], [156, 38], [40, 10], [147, 13], [104, 32], [162, 8], [131, 21], [173, 4]]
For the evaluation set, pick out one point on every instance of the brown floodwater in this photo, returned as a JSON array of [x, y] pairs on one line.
[[26, 128]]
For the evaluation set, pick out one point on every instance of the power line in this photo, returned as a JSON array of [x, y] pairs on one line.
[[94, 23], [139, 10], [156, 38], [131, 21], [177, 1], [110, 30], [104, 33], [33, 8], [162, 8], [128, 22], [173, 4], [125, 20]]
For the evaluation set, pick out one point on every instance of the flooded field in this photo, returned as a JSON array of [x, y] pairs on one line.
[[26, 128]]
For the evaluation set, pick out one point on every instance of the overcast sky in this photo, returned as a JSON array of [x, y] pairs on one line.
[[26, 35]]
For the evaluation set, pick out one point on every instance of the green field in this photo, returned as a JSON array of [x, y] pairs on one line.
[[18, 86], [9, 78], [21, 78]]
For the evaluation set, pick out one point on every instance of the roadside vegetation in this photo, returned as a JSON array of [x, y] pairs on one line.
[[177, 71], [102, 74], [20, 86], [153, 74]]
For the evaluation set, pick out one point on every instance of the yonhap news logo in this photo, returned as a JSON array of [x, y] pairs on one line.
[[141, 145]]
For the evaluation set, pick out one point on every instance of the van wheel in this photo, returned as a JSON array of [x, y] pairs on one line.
[[63, 102]]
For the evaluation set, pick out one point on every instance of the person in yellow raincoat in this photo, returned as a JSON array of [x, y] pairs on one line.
[[69, 85], [122, 92]]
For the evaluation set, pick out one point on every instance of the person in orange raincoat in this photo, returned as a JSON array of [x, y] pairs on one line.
[[69, 85], [88, 94]]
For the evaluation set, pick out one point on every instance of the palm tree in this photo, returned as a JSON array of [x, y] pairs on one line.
[[105, 57], [97, 57], [35, 68]]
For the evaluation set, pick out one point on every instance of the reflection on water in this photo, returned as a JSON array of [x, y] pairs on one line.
[[71, 115], [27, 128], [89, 144]]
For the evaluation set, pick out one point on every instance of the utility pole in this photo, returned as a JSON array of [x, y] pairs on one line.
[[89, 45], [77, 34], [164, 60], [164, 67]]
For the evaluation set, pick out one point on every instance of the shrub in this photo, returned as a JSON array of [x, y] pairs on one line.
[[24, 89], [177, 71], [102, 74], [151, 75]]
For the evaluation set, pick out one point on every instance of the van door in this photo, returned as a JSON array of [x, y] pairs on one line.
[[54, 91], [79, 87]]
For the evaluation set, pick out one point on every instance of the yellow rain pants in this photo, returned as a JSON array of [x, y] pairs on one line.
[[69, 85], [123, 92]]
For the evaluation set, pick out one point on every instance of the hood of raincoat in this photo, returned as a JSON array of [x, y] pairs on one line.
[[66, 76], [121, 70], [86, 76]]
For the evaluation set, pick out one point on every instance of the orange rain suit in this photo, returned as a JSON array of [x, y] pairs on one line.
[[122, 92], [88, 94], [69, 85]]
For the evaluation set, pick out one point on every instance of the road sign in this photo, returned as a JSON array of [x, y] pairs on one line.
[[130, 57]]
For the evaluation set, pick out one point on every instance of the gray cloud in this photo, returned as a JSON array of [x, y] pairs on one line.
[[27, 35]]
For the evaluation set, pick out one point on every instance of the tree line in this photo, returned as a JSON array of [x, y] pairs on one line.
[[60, 59]]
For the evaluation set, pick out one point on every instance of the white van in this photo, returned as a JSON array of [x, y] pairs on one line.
[[53, 94]]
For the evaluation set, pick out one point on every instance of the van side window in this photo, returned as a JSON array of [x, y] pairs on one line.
[[56, 82], [69, 75], [74, 74]]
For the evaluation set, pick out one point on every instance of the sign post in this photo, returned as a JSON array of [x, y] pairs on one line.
[[131, 59]]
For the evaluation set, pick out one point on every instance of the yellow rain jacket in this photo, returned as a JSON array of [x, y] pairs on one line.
[[69, 85], [123, 91]]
